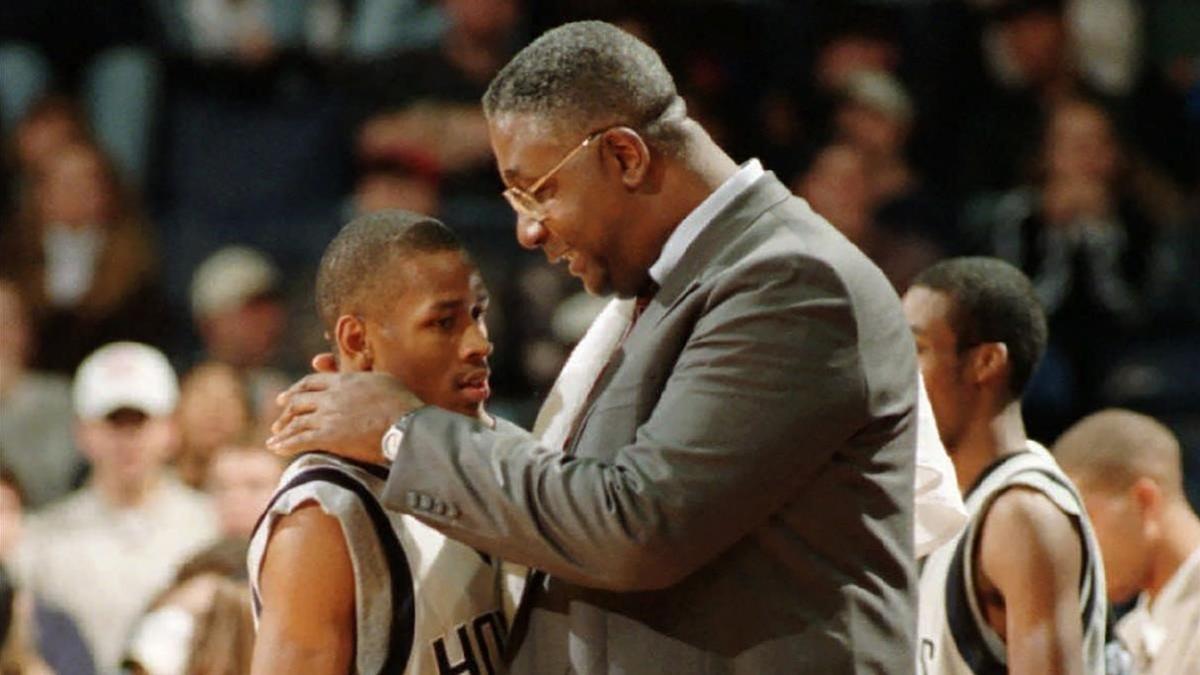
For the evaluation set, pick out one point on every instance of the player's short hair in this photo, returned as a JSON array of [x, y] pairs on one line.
[[588, 75], [360, 265], [992, 301], [1113, 448]]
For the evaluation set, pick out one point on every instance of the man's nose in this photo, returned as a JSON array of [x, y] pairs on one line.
[[476, 344], [531, 233]]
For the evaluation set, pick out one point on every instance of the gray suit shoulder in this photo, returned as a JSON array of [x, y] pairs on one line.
[[791, 236]]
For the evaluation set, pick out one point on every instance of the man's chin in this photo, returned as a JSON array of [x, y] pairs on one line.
[[596, 284]]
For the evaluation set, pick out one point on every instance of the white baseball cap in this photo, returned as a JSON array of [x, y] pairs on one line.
[[125, 375], [229, 278]]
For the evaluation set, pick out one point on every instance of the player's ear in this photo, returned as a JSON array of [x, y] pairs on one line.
[[989, 362], [1148, 495], [354, 350]]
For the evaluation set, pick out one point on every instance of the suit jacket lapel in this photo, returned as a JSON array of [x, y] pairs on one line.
[[726, 226]]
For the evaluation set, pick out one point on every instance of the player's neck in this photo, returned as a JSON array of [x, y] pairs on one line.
[[988, 439], [1181, 538]]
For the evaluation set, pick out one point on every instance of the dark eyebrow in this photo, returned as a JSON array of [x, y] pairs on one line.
[[447, 304]]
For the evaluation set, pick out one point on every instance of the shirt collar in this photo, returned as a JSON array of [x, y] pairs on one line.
[[1144, 628], [695, 222], [1173, 591]]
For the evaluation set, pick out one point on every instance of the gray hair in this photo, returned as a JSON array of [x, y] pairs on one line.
[[590, 73]]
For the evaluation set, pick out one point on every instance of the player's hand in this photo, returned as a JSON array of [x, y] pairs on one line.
[[343, 413]]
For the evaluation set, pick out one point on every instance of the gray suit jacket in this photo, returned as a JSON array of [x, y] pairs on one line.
[[738, 497]]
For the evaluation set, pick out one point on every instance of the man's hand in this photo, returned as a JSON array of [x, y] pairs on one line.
[[343, 413]]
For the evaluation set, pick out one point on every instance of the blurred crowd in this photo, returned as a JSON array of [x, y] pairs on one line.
[[172, 170]]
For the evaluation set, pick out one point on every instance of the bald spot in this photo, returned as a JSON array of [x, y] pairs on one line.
[[1112, 449]]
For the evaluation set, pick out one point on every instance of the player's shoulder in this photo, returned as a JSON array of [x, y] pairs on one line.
[[325, 466], [1022, 508], [1024, 526]]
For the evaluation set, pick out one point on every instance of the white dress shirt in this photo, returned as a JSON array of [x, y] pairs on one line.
[[700, 217], [1163, 636]]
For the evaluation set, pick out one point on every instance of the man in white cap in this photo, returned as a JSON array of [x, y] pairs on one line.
[[240, 317], [236, 307], [106, 549]]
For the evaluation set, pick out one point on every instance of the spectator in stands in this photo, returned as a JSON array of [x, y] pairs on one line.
[[17, 651], [875, 114], [35, 441], [238, 310], [1165, 106], [1096, 256], [251, 33], [103, 552], [858, 39], [382, 27], [102, 49], [236, 306], [838, 186], [214, 410], [52, 123], [1106, 43], [425, 103], [241, 480], [1024, 46], [81, 253], [798, 118], [56, 636], [201, 623], [396, 182], [1127, 466]]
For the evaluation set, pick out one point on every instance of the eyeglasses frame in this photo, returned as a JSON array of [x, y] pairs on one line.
[[534, 209]]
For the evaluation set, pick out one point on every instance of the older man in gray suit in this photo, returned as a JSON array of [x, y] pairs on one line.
[[737, 495]]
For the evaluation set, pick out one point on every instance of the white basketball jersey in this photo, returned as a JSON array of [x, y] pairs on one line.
[[954, 637], [424, 603]]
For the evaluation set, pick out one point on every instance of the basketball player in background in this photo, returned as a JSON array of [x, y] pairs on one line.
[[1021, 589], [340, 585], [1128, 467]]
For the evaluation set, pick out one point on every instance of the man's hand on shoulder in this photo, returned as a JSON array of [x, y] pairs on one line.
[[343, 413]]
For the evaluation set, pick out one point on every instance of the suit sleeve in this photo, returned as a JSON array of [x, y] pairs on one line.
[[766, 389]]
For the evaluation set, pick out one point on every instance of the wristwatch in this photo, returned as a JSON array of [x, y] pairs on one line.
[[390, 445]]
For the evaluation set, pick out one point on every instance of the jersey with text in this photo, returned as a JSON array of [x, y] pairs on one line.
[[424, 604]]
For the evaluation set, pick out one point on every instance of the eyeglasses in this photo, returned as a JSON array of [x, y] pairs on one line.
[[524, 202]]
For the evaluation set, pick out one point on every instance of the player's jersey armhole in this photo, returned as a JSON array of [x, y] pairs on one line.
[[403, 624]]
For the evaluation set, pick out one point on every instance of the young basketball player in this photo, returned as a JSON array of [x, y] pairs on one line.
[[339, 583]]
